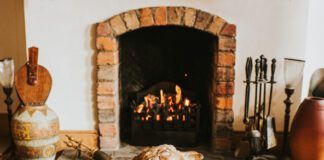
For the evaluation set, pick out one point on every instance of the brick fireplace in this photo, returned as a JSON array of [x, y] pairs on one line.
[[109, 98]]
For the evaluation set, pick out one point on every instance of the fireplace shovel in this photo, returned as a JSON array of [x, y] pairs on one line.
[[243, 148], [269, 126]]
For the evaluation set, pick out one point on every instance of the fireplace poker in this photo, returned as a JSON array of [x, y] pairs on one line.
[[248, 72], [269, 125], [273, 68], [260, 80], [265, 69], [257, 69]]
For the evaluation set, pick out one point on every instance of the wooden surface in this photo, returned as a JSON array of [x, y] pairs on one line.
[[32, 65], [88, 137], [33, 94]]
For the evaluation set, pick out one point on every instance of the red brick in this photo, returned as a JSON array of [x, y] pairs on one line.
[[108, 129], [224, 88], [117, 25], [224, 102], [107, 73], [131, 20], [106, 115], [202, 20], [175, 15], [106, 88], [146, 17], [224, 74], [161, 16], [104, 29], [106, 102], [225, 59], [227, 43], [216, 25], [109, 143], [229, 30], [107, 43], [110, 58], [189, 17]]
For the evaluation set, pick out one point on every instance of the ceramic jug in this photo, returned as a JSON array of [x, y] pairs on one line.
[[307, 130]]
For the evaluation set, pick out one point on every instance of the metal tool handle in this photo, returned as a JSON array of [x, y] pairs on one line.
[[248, 72], [257, 69], [248, 69], [273, 68], [261, 68], [265, 68]]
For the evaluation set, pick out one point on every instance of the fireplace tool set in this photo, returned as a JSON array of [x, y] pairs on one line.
[[260, 127]]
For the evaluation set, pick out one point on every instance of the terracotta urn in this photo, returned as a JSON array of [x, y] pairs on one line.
[[35, 132], [307, 130]]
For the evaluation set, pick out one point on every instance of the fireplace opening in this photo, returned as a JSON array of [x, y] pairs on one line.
[[162, 59]]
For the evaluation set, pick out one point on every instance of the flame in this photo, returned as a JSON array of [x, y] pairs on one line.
[[169, 118], [158, 117], [148, 117], [162, 100], [180, 107], [170, 101], [186, 102], [171, 109], [178, 94], [139, 108]]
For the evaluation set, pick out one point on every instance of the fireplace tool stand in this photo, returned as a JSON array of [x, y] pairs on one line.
[[260, 127]]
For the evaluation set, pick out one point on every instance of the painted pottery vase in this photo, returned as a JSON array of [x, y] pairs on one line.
[[35, 130], [307, 131]]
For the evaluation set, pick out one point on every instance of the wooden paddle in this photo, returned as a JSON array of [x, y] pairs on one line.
[[32, 81]]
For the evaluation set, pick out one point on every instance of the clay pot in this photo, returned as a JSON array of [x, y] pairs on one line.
[[307, 131], [35, 132]]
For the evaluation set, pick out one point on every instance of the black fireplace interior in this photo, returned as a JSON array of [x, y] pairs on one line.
[[175, 54]]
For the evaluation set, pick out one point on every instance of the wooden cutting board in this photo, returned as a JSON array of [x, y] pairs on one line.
[[33, 82]]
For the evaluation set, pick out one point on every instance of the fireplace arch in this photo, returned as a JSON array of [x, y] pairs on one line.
[[108, 63]]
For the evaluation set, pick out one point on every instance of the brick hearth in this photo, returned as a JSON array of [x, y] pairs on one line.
[[108, 63]]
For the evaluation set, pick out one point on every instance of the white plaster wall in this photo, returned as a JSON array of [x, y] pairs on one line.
[[62, 29], [314, 48]]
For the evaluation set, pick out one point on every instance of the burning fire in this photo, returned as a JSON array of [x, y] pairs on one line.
[[165, 107]]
